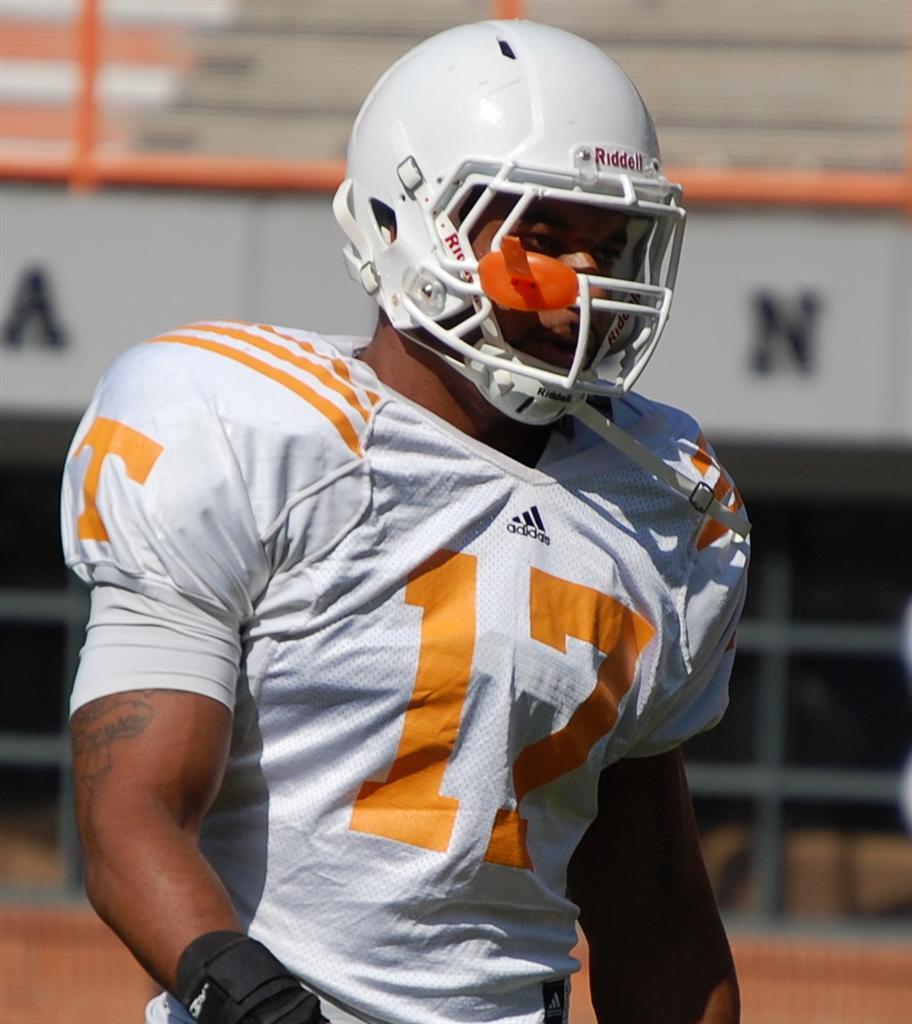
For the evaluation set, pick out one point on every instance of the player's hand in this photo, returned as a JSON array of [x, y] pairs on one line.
[[226, 977]]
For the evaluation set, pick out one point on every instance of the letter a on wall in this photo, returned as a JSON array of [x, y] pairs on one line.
[[33, 314], [784, 332]]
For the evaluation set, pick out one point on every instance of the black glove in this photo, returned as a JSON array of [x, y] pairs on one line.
[[229, 978]]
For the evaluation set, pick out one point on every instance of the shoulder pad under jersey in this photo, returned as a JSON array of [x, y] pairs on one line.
[[198, 450]]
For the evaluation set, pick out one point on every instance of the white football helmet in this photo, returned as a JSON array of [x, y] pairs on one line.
[[519, 110]]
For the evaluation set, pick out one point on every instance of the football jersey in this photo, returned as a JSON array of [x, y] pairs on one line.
[[441, 649]]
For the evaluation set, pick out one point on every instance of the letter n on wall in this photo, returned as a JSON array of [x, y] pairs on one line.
[[785, 331]]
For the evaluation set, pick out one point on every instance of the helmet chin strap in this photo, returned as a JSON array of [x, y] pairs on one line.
[[518, 285], [527, 400], [517, 395], [700, 495]]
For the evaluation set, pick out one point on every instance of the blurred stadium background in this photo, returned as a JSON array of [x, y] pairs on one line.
[[168, 160]]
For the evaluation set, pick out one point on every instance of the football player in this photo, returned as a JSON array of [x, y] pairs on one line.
[[394, 641]]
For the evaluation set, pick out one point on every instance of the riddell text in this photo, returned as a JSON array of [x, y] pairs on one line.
[[452, 243], [619, 158]]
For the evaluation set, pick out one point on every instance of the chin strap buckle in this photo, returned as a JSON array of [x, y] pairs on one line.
[[701, 497]]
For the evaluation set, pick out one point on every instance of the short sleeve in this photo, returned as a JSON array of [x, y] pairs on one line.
[[154, 498], [209, 461], [713, 601], [211, 458], [134, 642], [700, 702]]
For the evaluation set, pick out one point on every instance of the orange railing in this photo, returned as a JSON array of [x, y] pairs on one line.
[[87, 165]]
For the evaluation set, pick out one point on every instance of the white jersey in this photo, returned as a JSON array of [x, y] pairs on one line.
[[442, 649]]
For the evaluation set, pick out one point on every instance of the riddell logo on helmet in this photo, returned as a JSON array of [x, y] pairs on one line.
[[557, 396], [452, 243], [619, 158], [621, 323]]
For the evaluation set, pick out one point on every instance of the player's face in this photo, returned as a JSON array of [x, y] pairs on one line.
[[583, 237]]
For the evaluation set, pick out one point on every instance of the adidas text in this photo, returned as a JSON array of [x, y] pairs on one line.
[[529, 531]]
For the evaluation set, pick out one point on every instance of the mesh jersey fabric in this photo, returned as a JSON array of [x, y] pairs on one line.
[[441, 649]]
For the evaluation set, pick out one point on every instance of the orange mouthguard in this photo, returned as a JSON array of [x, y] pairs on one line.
[[516, 279]]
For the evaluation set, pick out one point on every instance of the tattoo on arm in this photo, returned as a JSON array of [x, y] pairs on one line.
[[96, 727]]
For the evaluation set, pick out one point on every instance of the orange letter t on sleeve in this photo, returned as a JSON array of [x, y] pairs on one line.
[[110, 437]]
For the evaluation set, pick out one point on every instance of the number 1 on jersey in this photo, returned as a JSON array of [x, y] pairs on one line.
[[408, 805]]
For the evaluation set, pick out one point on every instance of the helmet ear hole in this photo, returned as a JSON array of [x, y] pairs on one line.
[[385, 220]]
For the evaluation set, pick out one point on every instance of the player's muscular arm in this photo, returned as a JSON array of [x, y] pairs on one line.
[[658, 951], [147, 765]]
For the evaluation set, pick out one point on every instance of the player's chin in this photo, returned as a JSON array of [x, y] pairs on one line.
[[554, 352], [555, 347]]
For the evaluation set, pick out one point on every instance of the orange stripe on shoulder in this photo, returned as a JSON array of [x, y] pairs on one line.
[[701, 458], [724, 488], [335, 415], [327, 377], [339, 365]]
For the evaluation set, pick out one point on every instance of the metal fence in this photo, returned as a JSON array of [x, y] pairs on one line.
[[809, 103]]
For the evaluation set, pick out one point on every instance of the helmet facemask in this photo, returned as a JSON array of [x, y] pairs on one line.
[[619, 306]]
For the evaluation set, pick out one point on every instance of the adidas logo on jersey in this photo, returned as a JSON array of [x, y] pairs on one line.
[[529, 524], [554, 997]]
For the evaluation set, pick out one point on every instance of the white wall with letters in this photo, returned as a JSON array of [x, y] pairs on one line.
[[854, 271], [829, 359]]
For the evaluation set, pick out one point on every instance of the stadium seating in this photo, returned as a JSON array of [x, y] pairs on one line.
[[809, 85]]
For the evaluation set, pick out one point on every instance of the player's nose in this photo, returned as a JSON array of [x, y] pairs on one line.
[[583, 262]]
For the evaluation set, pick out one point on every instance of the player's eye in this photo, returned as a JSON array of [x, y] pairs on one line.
[[605, 255], [543, 242]]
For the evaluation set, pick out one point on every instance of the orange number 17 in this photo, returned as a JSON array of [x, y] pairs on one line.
[[408, 805]]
